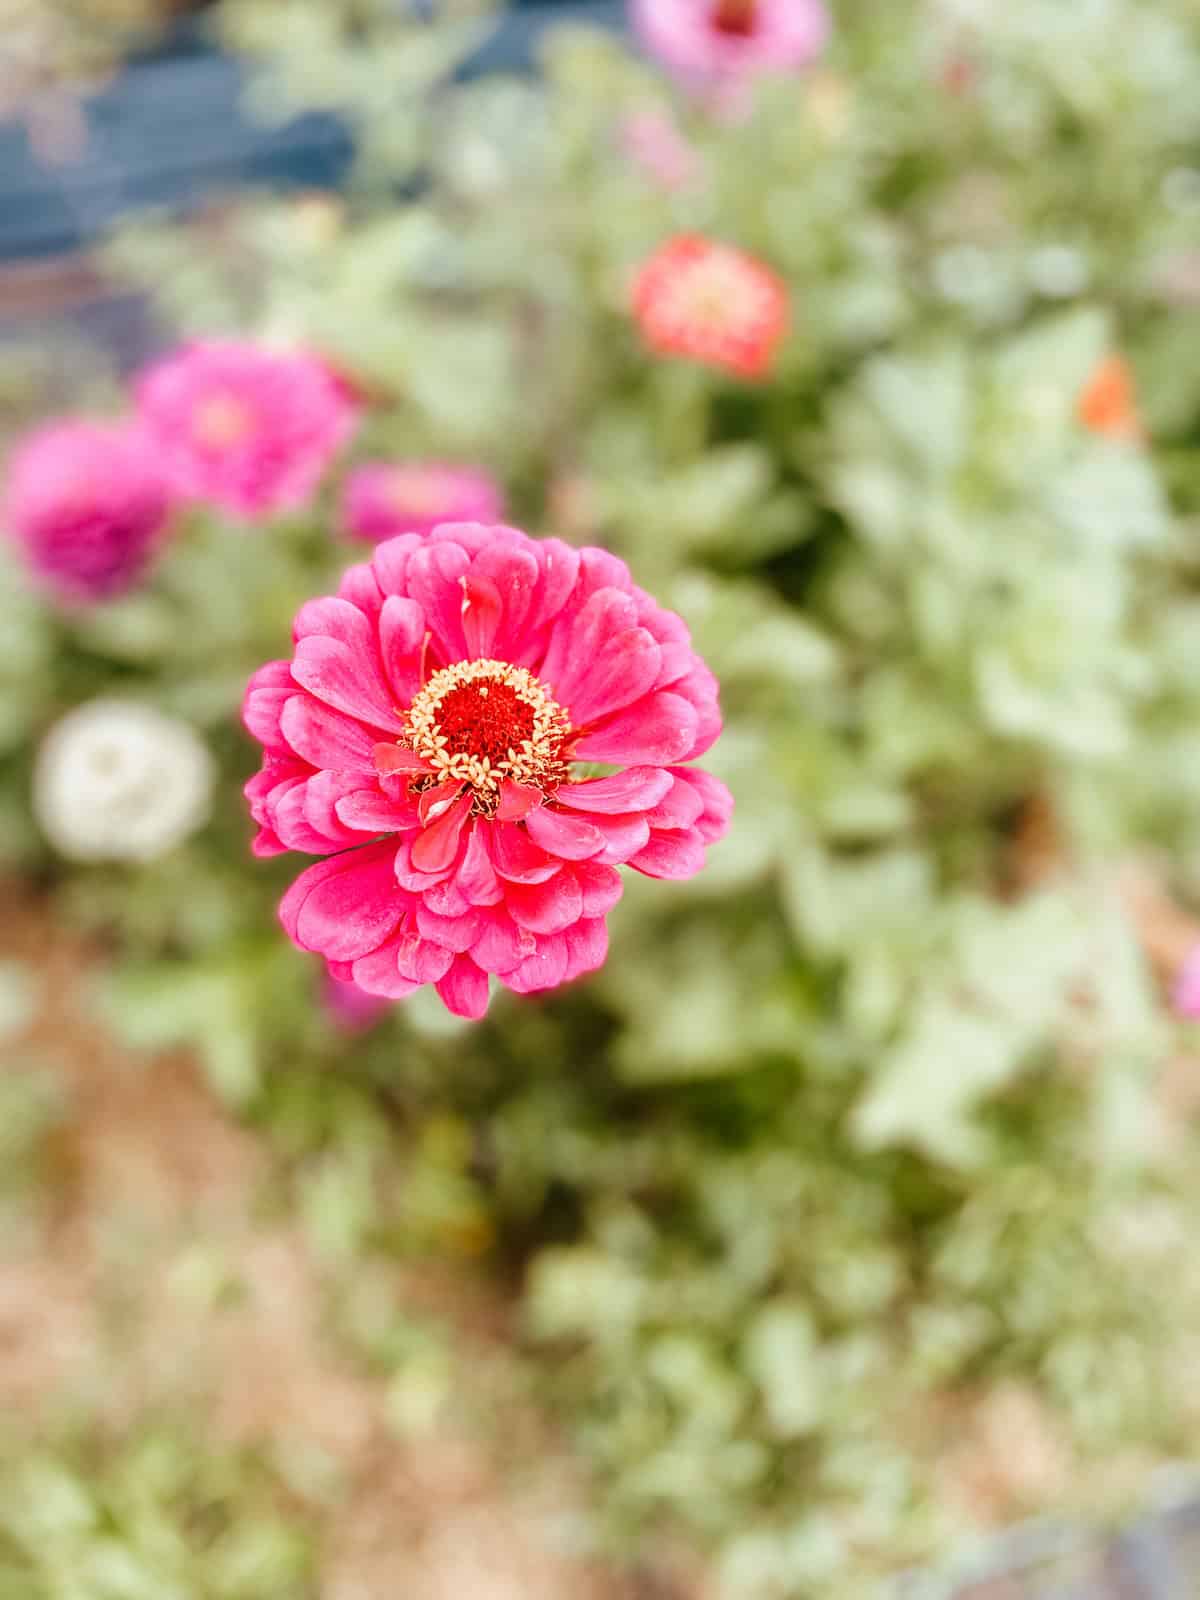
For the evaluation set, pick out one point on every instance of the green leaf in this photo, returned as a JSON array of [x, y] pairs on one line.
[[781, 1357]]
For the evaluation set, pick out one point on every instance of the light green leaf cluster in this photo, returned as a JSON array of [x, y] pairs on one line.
[[154, 1520]]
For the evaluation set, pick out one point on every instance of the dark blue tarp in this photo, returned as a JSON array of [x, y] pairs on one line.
[[169, 130]]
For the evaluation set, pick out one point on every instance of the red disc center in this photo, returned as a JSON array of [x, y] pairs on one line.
[[738, 17], [484, 718]]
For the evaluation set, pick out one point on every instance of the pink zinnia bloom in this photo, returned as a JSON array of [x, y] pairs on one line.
[[654, 144], [718, 42], [382, 500], [87, 507], [1185, 997], [246, 428], [712, 303], [423, 740]]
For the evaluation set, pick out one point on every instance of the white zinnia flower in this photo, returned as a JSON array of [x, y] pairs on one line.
[[119, 781]]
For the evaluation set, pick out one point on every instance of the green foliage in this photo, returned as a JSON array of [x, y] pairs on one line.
[[146, 1518], [857, 1123]]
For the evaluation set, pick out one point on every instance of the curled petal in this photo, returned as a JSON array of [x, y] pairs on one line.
[[420, 959], [322, 793], [516, 857], [679, 808], [513, 573], [445, 899], [436, 847], [266, 693], [359, 587], [635, 789], [599, 660], [434, 571], [337, 659], [658, 731], [325, 738], [546, 907], [378, 973], [412, 877], [346, 906], [699, 688], [331, 672], [476, 878], [587, 946], [454, 933], [371, 811], [436, 802], [481, 613], [464, 989], [564, 834], [678, 854], [676, 660], [517, 800], [502, 945], [623, 837], [401, 632], [390, 562], [600, 569], [713, 822], [599, 885], [287, 813], [392, 759], [559, 565], [545, 969]]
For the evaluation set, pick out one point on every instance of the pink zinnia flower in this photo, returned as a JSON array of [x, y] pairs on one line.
[[712, 303], [424, 737], [654, 144], [382, 500], [718, 42], [246, 428], [87, 507]]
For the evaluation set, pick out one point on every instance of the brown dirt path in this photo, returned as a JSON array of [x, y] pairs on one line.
[[111, 1305]]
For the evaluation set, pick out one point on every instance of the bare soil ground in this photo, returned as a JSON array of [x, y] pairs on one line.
[[110, 1303]]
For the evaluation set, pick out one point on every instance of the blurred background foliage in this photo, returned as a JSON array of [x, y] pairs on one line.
[[851, 1206]]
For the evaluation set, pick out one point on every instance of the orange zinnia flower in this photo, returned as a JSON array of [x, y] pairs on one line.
[[1108, 404]]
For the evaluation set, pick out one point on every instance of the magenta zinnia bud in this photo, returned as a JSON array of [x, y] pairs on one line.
[[717, 43], [1185, 997], [348, 1007], [426, 739], [381, 500], [653, 143], [243, 427], [87, 508]]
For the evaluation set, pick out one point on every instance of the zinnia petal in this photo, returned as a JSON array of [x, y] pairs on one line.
[[465, 989], [635, 789], [326, 738], [546, 907], [345, 906], [658, 731]]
